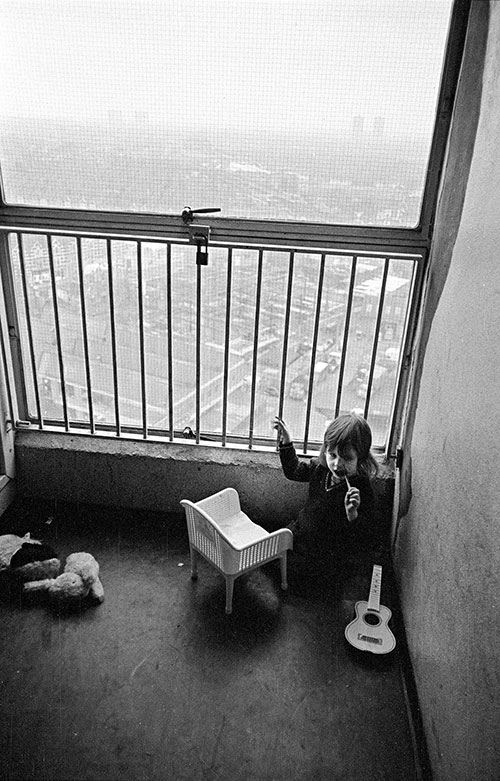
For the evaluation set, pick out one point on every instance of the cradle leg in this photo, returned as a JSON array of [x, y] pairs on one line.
[[194, 563], [284, 582], [229, 593]]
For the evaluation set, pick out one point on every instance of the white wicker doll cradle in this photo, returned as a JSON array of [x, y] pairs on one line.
[[225, 536]]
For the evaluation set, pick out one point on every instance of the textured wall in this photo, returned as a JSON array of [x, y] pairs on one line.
[[149, 475], [448, 545]]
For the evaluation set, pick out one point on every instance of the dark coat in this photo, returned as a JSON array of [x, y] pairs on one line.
[[321, 528]]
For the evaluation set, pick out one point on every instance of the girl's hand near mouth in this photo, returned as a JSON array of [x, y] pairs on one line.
[[352, 501]]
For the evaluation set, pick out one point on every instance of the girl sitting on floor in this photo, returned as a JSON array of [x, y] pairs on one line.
[[338, 517]]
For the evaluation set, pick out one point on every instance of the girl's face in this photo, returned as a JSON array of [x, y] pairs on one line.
[[341, 465]]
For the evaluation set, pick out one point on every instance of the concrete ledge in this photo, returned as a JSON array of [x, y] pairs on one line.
[[156, 475], [149, 475]]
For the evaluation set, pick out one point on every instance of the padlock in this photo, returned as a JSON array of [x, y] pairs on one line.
[[201, 250]]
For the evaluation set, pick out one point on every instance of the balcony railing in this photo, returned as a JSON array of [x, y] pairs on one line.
[[129, 337]]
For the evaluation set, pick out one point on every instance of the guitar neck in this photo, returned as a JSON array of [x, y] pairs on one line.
[[375, 587]]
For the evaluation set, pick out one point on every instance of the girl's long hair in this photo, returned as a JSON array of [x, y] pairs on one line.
[[346, 431]]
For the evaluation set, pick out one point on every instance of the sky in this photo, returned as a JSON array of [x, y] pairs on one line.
[[241, 63]]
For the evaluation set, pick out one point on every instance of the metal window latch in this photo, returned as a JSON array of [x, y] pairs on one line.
[[198, 234], [188, 213], [399, 457]]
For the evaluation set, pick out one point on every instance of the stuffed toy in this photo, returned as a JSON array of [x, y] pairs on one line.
[[25, 559], [79, 580]]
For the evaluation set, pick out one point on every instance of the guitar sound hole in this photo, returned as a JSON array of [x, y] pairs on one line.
[[372, 619]]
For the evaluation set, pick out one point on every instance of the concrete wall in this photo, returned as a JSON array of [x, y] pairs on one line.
[[152, 476], [447, 550]]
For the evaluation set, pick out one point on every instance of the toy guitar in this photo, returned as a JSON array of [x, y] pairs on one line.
[[369, 630]]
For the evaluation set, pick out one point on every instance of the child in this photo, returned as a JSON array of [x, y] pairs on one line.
[[338, 516]]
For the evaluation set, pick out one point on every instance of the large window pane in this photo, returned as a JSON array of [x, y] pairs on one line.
[[307, 110]]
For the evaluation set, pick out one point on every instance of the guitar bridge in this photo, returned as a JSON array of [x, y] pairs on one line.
[[368, 639]]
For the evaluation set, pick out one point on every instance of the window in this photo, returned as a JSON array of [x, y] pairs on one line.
[[301, 110], [310, 124]]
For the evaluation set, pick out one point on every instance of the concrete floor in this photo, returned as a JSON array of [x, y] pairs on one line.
[[158, 683]]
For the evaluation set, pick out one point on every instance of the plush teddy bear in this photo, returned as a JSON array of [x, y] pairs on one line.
[[79, 579], [25, 559]]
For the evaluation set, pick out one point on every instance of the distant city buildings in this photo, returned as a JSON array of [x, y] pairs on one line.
[[365, 176]]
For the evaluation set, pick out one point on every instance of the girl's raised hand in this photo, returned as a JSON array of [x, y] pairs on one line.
[[284, 437]]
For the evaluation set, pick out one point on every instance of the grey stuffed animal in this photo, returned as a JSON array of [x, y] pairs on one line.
[[79, 580]]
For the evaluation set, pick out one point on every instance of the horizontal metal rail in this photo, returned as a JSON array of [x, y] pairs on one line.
[[228, 232]]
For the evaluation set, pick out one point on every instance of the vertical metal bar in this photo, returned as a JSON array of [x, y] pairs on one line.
[[227, 336], [313, 349], [198, 353], [7, 358], [140, 302], [57, 326], [7, 380], [169, 344], [286, 332], [6, 369], [376, 337], [345, 338], [255, 349], [113, 337], [30, 331], [394, 427], [83, 310], [12, 329]]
